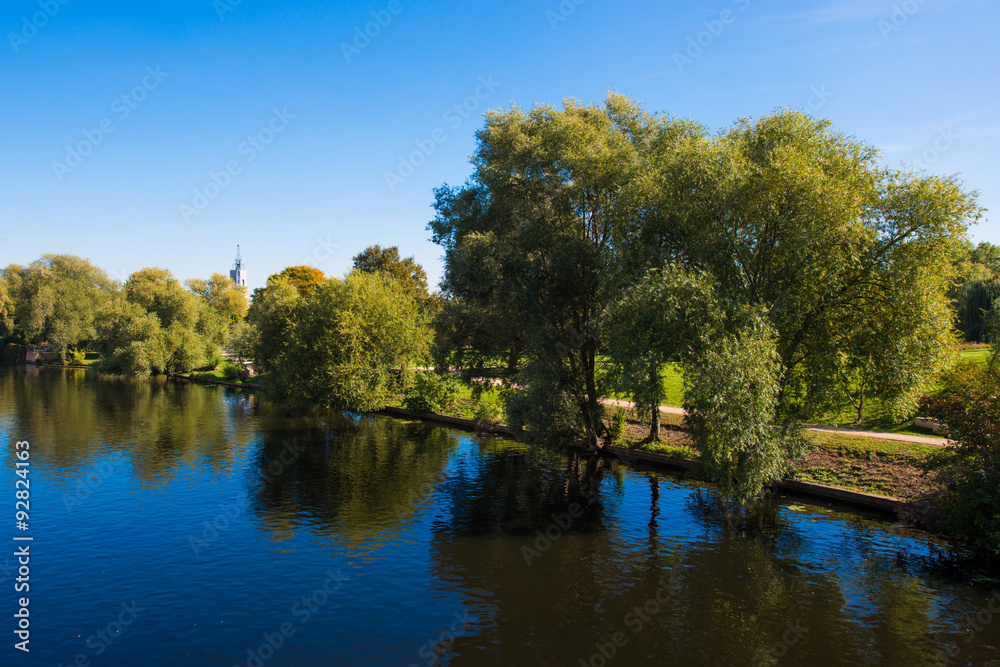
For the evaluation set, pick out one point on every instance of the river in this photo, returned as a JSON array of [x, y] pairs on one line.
[[177, 524]]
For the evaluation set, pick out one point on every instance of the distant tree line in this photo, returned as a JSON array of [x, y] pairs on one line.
[[976, 289], [150, 324]]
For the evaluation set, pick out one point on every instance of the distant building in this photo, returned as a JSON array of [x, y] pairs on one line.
[[238, 274]]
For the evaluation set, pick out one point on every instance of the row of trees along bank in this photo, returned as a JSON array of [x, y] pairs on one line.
[[149, 324]]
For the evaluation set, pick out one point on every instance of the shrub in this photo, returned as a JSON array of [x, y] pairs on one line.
[[432, 393], [234, 372], [616, 431], [488, 408], [970, 406]]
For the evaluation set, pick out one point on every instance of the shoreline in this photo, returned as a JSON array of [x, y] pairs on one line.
[[883, 506]]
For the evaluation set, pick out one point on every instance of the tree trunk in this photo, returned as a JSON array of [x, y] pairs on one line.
[[654, 421], [592, 422]]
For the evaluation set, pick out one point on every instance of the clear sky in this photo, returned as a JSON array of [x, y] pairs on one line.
[[162, 134]]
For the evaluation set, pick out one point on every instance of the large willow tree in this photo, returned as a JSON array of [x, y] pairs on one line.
[[840, 264], [531, 257], [850, 260]]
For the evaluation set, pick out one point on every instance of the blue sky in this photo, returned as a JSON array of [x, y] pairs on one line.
[[164, 135]]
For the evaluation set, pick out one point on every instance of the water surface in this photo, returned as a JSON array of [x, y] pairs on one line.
[[181, 524]]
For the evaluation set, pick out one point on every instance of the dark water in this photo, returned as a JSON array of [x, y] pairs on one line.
[[356, 540]]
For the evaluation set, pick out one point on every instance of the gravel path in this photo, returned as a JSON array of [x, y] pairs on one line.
[[899, 437]]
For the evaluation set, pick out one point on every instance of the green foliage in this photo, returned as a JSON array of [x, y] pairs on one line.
[[976, 300], [234, 372], [376, 259], [970, 407], [528, 242], [488, 408], [272, 315], [987, 255], [6, 312], [226, 306], [432, 392], [731, 397], [130, 339], [666, 449], [812, 229], [895, 347], [549, 245], [54, 300], [549, 413], [157, 326], [616, 432], [242, 340], [670, 313], [346, 344]]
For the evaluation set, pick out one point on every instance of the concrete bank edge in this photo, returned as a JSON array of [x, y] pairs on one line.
[[867, 501]]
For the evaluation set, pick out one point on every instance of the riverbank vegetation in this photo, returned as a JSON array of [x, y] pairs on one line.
[[764, 276], [150, 324], [778, 245]]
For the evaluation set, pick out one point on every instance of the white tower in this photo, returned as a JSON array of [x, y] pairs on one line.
[[238, 274]]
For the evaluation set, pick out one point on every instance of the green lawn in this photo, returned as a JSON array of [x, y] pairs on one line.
[[861, 447], [883, 467], [980, 353], [670, 378]]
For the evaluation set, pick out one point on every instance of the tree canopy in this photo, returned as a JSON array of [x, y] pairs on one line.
[[304, 278], [783, 245], [155, 325], [55, 299], [346, 344], [376, 259]]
